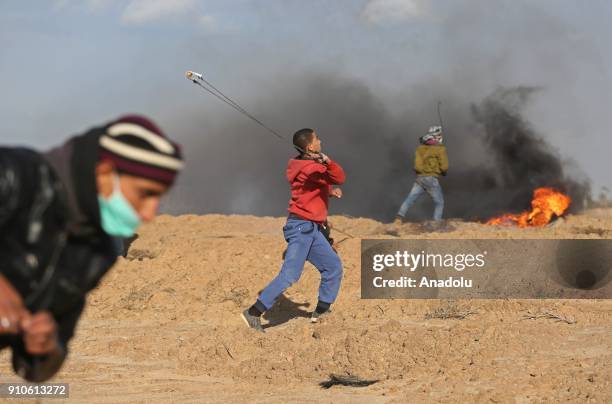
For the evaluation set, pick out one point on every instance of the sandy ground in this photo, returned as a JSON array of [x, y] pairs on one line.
[[164, 326]]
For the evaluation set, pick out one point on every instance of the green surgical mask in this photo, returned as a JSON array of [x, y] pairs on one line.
[[118, 217]]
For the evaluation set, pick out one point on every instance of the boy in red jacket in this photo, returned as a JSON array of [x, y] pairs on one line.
[[311, 176]]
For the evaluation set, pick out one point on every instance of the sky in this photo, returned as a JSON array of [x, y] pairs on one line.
[[66, 65]]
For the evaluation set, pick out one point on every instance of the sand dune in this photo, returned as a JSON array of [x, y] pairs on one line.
[[165, 326]]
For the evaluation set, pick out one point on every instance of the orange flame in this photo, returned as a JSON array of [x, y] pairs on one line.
[[546, 203]]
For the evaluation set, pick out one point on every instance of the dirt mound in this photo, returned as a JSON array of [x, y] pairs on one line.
[[167, 317]]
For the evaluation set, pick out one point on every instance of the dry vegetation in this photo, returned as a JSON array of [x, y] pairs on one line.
[[164, 326]]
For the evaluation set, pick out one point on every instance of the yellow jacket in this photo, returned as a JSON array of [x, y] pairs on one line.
[[431, 160]]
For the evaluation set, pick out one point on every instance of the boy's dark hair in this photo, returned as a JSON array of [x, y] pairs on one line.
[[302, 138]]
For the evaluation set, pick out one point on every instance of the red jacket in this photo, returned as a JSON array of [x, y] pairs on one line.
[[311, 183]]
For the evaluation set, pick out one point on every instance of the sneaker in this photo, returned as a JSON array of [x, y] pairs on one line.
[[253, 322], [398, 221], [314, 317]]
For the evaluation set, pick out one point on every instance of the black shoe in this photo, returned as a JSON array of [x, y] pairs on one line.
[[314, 317], [253, 322]]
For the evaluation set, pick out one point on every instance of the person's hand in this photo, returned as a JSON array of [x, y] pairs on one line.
[[323, 158], [40, 333], [336, 192], [12, 310]]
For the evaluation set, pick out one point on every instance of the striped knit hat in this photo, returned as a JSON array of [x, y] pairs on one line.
[[138, 147]]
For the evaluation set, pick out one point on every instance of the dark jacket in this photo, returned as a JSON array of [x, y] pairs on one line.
[[52, 247]]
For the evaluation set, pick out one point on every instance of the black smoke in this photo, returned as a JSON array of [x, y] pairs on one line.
[[522, 159], [496, 157]]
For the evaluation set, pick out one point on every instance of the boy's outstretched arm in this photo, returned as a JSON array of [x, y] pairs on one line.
[[335, 173], [327, 173]]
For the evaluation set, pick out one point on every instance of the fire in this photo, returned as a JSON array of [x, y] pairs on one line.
[[546, 202]]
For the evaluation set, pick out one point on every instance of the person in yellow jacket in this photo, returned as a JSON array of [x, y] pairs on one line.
[[430, 161]]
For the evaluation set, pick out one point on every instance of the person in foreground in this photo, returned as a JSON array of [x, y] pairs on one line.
[[312, 175], [62, 215], [430, 161]]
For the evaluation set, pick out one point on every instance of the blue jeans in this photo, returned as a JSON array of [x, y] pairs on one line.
[[305, 242], [429, 184]]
